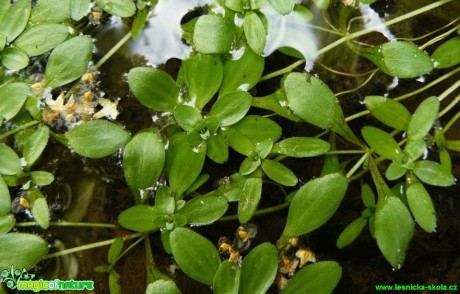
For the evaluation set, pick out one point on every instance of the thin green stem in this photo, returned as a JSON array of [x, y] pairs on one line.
[[130, 247], [360, 86], [89, 246], [258, 212], [451, 122], [357, 165], [68, 224], [18, 129], [345, 152], [449, 91], [439, 37], [113, 50], [450, 106]]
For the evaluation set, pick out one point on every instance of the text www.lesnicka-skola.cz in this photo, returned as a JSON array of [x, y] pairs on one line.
[[416, 287]]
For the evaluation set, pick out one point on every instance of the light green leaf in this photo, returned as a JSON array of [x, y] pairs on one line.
[[123, 8], [41, 178], [367, 195], [201, 75], [263, 148], [187, 117], [314, 204], [399, 59], [217, 149], [322, 4], [249, 199], [4, 5], [24, 250], [9, 161], [5, 198], [79, 8], [213, 34], [453, 145], [41, 38], [255, 32], [227, 278], [258, 128], [249, 165], [310, 99], [423, 119], [231, 187], [235, 5], [40, 211], [394, 229], [394, 171], [415, 149], [279, 173], [162, 286], [243, 73], [15, 19], [283, 6], [258, 270], [301, 147], [97, 139], [7, 222], [203, 210], [231, 107], [114, 282], [143, 159], [390, 112], [239, 142], [35, 144], [164, 202], [14, 58], [319, 278], [351, 232], [68, 61], [12, 98], [433, 173], [139, 22], [382, 143], [154, 88], [196, 256], [447, 54], [50, 11], [421, 205], [139, 218], [115, 250]]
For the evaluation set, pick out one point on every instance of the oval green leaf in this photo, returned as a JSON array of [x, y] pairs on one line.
[[14, 58], [7, 222], [279, 173], [249, 199], [217, 149], [258, 270], [394, 171], [41, 212], [258, 128], [421, 206], [382, 143], [41, 38], [15, 19], [196, 256], [213, 34], [203, 210], [254, 31], [301, 147], [97, 139], [9, 161], [227, 278], [231, 107], [23, 250], [162, 286], [79, 8], [50, 11], [351, 232], [447, 54], [123, 8], [35, 144], [433, 173], [41, 178], [115, 250], [154, 88], [143, 159], [139, 218], [5, 198], [423, 119], [283, 6], [12, 98], [390, 112], [187, 117]]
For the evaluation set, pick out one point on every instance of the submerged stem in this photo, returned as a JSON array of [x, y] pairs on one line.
[[18, 129], [68, 224], [258, 212]]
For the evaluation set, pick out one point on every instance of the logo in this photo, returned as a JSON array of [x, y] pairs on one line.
[[16, 279]]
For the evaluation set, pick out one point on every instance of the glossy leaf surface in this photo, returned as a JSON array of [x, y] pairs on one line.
[[139, 218], [14, 58], [231, 107], [433, 173], [227, 278], [5, 199], [447, 54], [301, 147], [35, 145], [258, 128], [255, 32], [258, 270], [162, 286], [279, 172], [203, 210]]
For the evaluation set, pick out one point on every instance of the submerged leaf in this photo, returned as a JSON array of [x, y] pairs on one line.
[[162, 286], [421, 205], [5, 198], [203, 210], [35, 145], [283, 6], [279, 173], [258, 128]]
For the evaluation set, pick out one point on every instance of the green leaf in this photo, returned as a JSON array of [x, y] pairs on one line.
[[185, 163], [314, 204], [394, 171], [235, 5], [23, 250], [249, 199], [258, 128], [41, 178], [9, 161], [201, 75], [382, 143], [196, 256], [263, 148], [453, 145], [97, 139], [164, 202], [231, 187], [68, 61], [154, 88], [14, 58], [301, 147], [399, 59], [447, 54], [279, 173], [351, 232], [50, 11], [4, 5], [139, 22], [415, 149], [123, 8], [217, 149], [41, 38], [79, 9], [255, 32], [421, 205], [114, 282], [162, 286], [139, 218], [41, 212], [394, 229], [231, 107], [319, 278], [15, 19], [7, 222], [5, 198], [35, 144], [239, 142], [213, 34], [243, 73], [310, 99], [249, 165], [367, 195], [390, 112], [143, 159], [227, 278], [115, 250], [12, 98], [203, 210], [258, 270], [322, 4], [433, 173], [423, 119], [187, 117], [283, 6]]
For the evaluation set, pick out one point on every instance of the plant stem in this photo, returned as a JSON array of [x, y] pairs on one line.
[[113, 50], [18, 129], [450, 106], [68, 224], [345, 152], [449, 91], [89, 246], [451, 122], [258, 212], [357, 165]]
